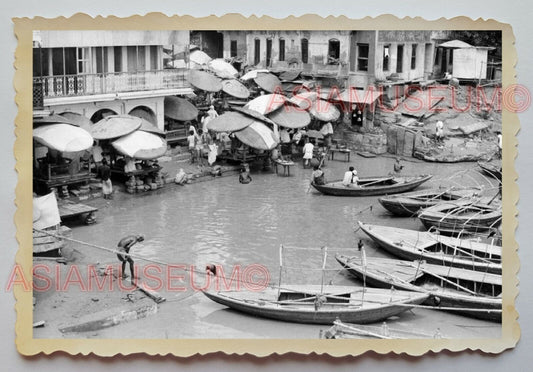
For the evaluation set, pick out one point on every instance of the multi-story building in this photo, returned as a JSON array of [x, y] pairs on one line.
[[96, 73]]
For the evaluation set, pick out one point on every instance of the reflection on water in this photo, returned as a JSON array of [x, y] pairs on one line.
[[227, 223]]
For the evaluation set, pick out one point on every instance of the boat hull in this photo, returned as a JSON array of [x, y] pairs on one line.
[[480, 307], [361, 308], [412, 252], [398, 185]]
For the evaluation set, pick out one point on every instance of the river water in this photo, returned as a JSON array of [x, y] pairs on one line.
[[229, 224]]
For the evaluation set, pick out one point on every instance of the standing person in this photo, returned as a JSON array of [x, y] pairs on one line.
[[191, 141], [200, 144], [285, 140], [308, 152], [398, 166], [350, 178], [327, 132], [105, 174], [439, 131], [124, 245]]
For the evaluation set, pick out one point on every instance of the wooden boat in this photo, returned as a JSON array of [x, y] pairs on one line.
[[473, 293], [408, 204], [341, 330], [436, 249], [491, 169], [368, 186], [320, 305], [461, 216]]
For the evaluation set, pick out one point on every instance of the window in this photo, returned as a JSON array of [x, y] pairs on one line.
[[399, 59], [362, 57], [334, 51], [282, 49], [413, 56], [40, 62], [136, 58], [305, 50], [386, 57], [233, 48], [83, 60], [269, 53], [101, 59], [154, 65], [257, 51], [64, 61], [117, 51]]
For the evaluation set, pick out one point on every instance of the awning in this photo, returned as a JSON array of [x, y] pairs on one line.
[[180, 109], [290, 116], [253, 74], [222, 69], [204, 81], [258, 136], [199, 57], [141, 145], [266, 103], [353, 96], [324, 110], [115, 126], [63, 137], [230, 121], [268, 82], [235, 88]]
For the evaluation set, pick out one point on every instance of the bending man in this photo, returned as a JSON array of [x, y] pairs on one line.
[[124, 245]]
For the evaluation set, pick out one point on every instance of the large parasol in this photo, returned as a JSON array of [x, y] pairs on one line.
[[290, 116], [253, 114], [199, 57], [77, 119], [324, 110], [51, 119], [115, 126], [268, 82], [266, 103], [63, 137], [141, 145], [235, 88], [222, 69], [258, 136], [290, 75], [180, 109], [304, 100], [229, 122], [146, 126], [204, 81]]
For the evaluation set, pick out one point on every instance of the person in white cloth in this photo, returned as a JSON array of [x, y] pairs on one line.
[[350, 178]]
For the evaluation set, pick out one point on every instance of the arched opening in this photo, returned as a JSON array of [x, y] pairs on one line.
[[305, 51], [145, 113], [100, 114]]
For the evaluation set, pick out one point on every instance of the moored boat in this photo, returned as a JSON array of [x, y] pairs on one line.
[[369, 186], [468, 292], [320, 304], [491, 169], [461, 216], [436, 249], [341, 330], [408, 204]]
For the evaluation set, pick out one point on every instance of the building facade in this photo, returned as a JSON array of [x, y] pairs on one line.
[[97, 73]]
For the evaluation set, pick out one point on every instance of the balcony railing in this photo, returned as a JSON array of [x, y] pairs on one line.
[[112, 82]]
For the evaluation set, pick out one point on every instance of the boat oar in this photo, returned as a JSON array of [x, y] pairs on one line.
[[377, 181]]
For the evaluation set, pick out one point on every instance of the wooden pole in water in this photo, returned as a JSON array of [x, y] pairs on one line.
[[280, 267], [323, 268]]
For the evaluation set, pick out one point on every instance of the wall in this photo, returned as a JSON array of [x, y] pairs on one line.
[[121, 107], [240, 37], [86, 38], [470, 63]]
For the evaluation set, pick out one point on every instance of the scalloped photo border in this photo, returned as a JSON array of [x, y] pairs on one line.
[[25, 342]]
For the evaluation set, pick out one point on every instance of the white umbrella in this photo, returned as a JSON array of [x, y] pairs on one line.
[[222, 68], [141, 145], [253, 74], [266, 103], [115, 126], [258, 136], [324, 110], [304, 100], [199, 57], [63, 137]]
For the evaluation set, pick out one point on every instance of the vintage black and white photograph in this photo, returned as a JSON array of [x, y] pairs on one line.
[[270, 184]]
